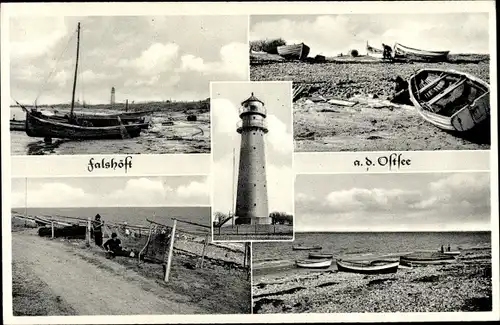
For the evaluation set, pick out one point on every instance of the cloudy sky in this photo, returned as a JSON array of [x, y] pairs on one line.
[[225, 102], [144, 58], [110, 192], [333, 34], [385, 202]]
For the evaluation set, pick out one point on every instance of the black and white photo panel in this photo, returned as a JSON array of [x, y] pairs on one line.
[[252, 185]]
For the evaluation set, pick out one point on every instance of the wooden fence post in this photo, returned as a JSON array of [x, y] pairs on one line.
[[87, 242], [170, 251], [203, 252], [52, 227]]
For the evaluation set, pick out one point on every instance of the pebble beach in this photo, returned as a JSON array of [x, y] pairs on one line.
[[462, 286], [373, 123]]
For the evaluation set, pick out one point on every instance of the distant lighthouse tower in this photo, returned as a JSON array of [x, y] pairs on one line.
[[112, 102], [251, 197]]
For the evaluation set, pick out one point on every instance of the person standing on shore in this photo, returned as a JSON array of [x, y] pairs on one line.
[[387, 52], [97, 230], [442, 248]]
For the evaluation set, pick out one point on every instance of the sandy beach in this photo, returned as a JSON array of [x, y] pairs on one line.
[[63, 277], [462, 286], [373, 123]]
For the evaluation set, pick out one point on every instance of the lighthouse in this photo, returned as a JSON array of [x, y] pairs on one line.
[[112, 101], [251, 197]]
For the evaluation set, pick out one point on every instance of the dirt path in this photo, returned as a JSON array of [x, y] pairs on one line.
[[89, 284]]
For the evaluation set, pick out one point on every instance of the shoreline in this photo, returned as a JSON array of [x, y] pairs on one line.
[[463, 286]]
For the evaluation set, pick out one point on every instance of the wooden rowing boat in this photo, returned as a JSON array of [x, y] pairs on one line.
[[314, 264], [37, 126], [16, 125], [306, 248], [426, 258], [294, 52], [451, 100], [452, 253], [373, 267], [320, 255], [102, 119], [406, 52], [374, 52]]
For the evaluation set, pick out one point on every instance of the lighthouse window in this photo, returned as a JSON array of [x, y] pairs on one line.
[[254, 133], [255, 204], [254, 148], [254, 185], [253, 117]]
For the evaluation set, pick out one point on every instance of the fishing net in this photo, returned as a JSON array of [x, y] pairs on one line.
[[156, 246]]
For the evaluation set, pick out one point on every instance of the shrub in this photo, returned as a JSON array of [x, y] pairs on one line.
[[354, 53], [268, 45], [281, 218]]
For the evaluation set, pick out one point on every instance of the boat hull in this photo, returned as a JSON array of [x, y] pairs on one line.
[[451, 100], [319, 256], [103, 120], [362, 268], [313, 264], [401, 51], [47, 128], [294, 52], [374, 52], [17, 125], [306, 248]]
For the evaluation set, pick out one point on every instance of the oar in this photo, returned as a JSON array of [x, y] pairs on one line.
[[123, 129]]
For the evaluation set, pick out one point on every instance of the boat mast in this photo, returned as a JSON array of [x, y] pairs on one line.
[[26, 198], [232, 203], [71, 115]]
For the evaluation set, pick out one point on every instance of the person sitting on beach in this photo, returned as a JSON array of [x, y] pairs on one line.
[[97, 230], [113, 245]]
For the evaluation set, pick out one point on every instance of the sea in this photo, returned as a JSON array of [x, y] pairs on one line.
[[279, 257], [183, 137], [132, 215]]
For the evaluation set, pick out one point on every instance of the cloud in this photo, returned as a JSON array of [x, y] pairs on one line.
[[135, 192], [194, 189], [278, 137], [225, 116], [454, 201], [155, 59], [233, 60], [34, 37]]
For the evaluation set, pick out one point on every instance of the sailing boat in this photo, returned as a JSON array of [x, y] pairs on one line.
[[74, 126]]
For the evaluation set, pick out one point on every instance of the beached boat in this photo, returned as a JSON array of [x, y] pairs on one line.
[[426, 258], [320, 255], [37, 126], [374, 52], [294, 52], [451, 100], [314, 264], [306, 248], [102, 119], [405, 52], [452, 253], [16, 125], [73, 126], [373, 267]]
